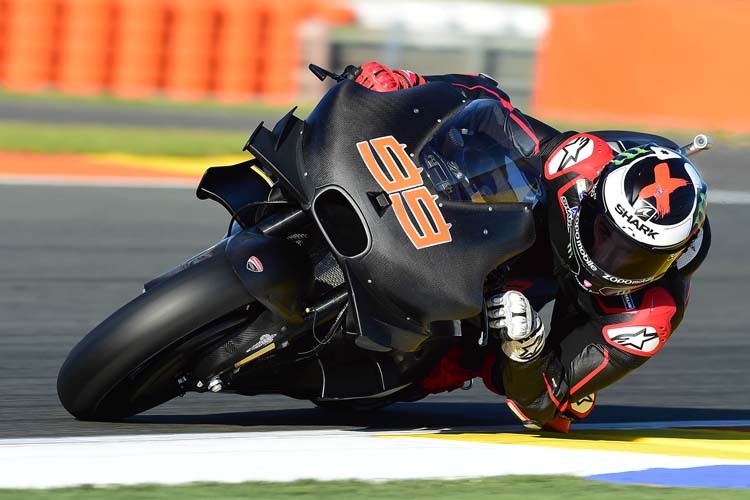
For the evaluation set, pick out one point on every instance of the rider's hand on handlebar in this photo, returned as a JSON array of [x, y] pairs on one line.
[[380, 78], [518, 325]]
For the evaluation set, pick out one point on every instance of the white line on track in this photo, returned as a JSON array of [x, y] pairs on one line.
[[668, 424], [724, 197], [659, 424], [717, 196], [292, 455]]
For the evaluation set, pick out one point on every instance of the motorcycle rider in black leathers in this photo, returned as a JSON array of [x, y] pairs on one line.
[[618, 238]]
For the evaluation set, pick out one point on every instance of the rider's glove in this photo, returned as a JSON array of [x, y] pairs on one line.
[[520, 328], [381, 78]]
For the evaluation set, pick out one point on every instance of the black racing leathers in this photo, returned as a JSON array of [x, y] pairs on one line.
[[593, 340]]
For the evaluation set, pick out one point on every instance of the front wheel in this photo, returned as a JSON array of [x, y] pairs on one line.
[[131, 361]]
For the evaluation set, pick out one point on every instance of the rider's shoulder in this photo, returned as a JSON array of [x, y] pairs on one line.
[[578, 153]]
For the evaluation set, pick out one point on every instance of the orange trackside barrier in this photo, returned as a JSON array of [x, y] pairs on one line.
[[261, 49], [85, 46], [280, 57], [30, 44], [190, 48], [138, 52], [238, 51], [335, 12], [665, 63], [3, 36], [231, 49]]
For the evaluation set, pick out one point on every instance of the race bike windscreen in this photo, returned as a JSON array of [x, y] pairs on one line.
[[481, 155]]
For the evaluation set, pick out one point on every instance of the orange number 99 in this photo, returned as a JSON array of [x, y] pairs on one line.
[[416, 209]]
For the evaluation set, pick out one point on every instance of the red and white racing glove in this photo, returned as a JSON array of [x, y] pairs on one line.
[[380, 78], [520, 328]]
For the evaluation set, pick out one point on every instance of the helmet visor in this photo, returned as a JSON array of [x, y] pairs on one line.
[[625, 261]]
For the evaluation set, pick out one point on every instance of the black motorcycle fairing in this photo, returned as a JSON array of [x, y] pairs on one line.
[[391, 308], [346, 112], [206, 254], [397, 289], [279, 276], [282, 155], [275, 271], [236, 188], [383, 324]]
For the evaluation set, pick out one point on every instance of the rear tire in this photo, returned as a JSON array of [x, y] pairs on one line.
[[130, 362]]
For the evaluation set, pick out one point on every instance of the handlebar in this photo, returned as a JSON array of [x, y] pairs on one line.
[[701, 143]]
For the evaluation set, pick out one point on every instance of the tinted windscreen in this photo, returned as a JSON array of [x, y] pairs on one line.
[[479, 155]]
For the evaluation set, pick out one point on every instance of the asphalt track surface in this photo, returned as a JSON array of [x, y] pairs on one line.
[[69, 256]]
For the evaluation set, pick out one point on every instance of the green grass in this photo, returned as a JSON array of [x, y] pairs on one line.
[[73, 138], [518, 487], [48, 138], [153, 103]]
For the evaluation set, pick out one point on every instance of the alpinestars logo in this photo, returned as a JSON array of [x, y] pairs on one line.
[[528, 351], [641, 340], [583, 405], [574, 152]]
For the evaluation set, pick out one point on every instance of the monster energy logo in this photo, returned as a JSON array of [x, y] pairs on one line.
[[700, 212], [628, 155]]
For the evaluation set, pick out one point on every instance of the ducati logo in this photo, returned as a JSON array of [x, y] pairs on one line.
[[254, 265]]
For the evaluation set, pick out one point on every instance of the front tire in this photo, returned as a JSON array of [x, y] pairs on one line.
[[128, 363]]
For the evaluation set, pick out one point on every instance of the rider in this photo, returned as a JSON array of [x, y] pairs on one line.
[[621, 234]]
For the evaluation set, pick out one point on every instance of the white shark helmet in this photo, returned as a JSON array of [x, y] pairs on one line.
[[640, 215]]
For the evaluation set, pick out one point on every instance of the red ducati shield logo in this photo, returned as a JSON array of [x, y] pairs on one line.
[[254, 265]]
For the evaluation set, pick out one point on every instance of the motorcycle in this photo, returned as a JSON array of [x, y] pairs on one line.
[[358, 245]]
